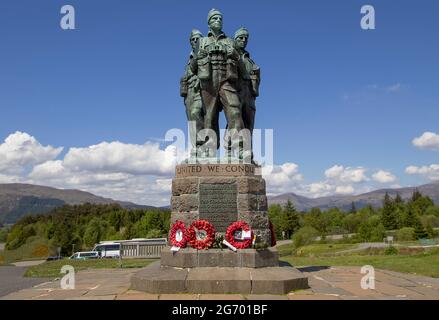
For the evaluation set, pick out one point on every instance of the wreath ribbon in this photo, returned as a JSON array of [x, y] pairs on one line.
[[193, 233], [230, 235], [178, 230]]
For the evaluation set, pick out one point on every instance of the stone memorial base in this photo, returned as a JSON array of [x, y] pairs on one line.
[[221, 194], [218, 280], [245, 258]]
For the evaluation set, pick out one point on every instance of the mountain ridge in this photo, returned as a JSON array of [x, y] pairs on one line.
[[18, 199], [373, 198]]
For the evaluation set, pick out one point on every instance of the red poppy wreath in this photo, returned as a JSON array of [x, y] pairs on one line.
[[234, 235], [178, 234], [201, 235]]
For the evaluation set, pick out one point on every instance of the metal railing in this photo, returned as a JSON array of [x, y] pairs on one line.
[[141, 249]]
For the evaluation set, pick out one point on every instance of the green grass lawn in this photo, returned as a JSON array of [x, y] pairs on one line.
[[422, 264], [315, 249], [52, 268]]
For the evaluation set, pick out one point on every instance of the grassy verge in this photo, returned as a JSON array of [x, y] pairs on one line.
[[422, 264], [52, 268], [314, 249]]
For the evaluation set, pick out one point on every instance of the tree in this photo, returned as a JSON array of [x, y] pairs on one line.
[[416, 195], [351, 223], [290, 219], [389, 219], [94, 232], [372, 229], [420, 232], [314, 219], [411, 217], [275, 216], [3, 234], [398, 200], [405, 234], [353, 208], [304, 236]]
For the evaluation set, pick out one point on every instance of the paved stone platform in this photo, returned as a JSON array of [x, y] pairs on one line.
[[243, 258], [218, 280], [334, 283]]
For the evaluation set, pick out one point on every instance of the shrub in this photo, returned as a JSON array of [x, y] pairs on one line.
[[40, 251], [405, 234], [391, 251], [154, 233], [304, 236], [3, 234], [378, 233], [35, 247]]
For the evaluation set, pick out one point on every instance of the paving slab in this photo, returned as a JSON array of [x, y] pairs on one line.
[[340, 283], [277, 280], [137, 295], [266, 297], [219, 280], [108, 297], [312, 297], [221, 297], [188, 296]]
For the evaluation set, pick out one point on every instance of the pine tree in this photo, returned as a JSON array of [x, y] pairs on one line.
[[420, 232], [353, 208], [410, 218], [290, 219], [398, 200], [416, 195], [389, 218]]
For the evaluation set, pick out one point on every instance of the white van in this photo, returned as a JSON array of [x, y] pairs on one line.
[[108, 249], [85, 255]]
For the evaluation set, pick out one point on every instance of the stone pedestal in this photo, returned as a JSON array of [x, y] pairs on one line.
[[245, 258], [221, 194], [270, 280]]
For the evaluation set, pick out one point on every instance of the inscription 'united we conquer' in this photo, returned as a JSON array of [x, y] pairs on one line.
[[215, 169]]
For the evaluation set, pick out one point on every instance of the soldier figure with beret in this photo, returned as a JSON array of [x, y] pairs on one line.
[[190, 90], [216, 65], [250, 78]]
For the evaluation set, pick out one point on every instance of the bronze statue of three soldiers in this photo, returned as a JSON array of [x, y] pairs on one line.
[[220, 76]]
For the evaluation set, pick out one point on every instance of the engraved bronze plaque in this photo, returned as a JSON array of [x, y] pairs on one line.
[[218, 204]]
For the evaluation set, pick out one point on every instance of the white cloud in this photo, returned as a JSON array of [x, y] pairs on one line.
[[346, 175], [430, 172], [394, 88], [382, 176], [5, 178], [345, 189], [282, 178], [340, 180], [20, 150], [320, 189], [428, 140], [138, 173], [119, 157]]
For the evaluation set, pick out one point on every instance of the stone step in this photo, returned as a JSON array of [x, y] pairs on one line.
[[218, 280]]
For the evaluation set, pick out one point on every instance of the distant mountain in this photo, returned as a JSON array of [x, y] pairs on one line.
[[373, 198], [17, 200]]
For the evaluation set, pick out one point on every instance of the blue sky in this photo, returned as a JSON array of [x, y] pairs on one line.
[[338, 98]]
